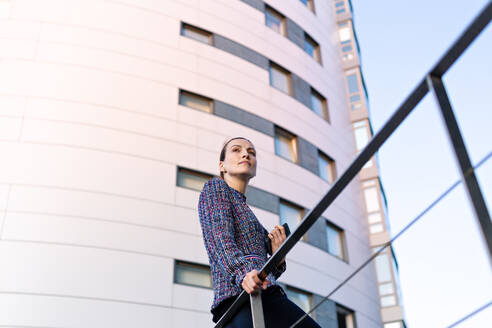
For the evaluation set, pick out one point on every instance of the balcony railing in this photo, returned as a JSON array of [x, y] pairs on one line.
[[431, 82]]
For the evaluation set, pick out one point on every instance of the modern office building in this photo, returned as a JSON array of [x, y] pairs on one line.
[[112, 116]]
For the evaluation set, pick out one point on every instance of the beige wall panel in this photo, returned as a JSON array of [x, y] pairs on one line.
[[85, 272], [100, 206], [22, 30], [117, 44], [29, 310], [186, 318], [86, 170], [103, 234], [112, 118], [127, 20], [10, 128], [12, 105], [202, 298], [19, 49], [87, 86]]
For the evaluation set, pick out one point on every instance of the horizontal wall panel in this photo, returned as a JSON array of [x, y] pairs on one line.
[[100, 206], [202, 298], [32, 310], [103, 234], [83, 169], [84, 272]]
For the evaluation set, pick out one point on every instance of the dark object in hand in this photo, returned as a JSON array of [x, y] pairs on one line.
[[269, 242]]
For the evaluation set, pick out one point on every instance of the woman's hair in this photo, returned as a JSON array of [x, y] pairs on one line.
[[223, 151]]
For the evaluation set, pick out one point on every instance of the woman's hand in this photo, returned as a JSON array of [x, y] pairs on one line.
[[277, 237], [252, 282]]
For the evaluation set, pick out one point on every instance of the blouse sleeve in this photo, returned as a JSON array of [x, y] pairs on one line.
[[216, 220], [279, 269]]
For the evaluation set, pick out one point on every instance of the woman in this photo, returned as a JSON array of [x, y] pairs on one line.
[[236, 243]]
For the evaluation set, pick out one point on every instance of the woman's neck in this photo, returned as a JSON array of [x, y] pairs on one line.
[[236, 183]]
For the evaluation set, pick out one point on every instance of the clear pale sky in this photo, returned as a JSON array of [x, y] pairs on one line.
[[444, 268]]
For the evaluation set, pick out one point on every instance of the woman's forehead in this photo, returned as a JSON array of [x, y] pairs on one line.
[[241, 143]]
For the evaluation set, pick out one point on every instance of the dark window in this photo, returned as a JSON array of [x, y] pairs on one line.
[[192, 274], [280, 78], [195, 101], [191, 179], [285, 145], [312, 48], [319, 105], [196, 33], [275, 20]]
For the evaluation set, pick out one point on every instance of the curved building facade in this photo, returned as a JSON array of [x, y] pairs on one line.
[[112, 116]]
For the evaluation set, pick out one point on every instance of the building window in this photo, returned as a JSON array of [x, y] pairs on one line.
[[372, 199], [290, 214], [353, 83], [344, 33], [312, 48], [192, 274], [301, 298], [191, 179], [309, 4], [275, 20], [285, 145], [196, 33], [280, 78], [383, 268], [345, 317], [195, 101], [361, 132], [326, 167], [319, 104], [335, 239]]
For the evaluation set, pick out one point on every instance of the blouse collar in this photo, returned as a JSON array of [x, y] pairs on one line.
[[237, 192]]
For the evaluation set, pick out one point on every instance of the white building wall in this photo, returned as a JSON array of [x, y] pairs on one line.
[[90, 137]]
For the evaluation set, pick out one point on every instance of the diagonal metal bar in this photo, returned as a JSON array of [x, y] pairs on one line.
[[257, 310], [463, 41], [448, 59], [390, 126], [468, 176], [392, 240]]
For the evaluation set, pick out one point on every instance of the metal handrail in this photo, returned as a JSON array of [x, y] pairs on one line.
[[433, 79]]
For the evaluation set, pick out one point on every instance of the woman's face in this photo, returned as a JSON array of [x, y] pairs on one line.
[[240, 159]]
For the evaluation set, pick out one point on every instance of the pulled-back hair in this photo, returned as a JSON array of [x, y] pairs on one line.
[[223, 151]]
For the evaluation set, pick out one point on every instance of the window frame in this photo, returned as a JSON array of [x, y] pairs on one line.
[[343, 241], [301, 209], [331, 165], [317, 49], [180, 169], [193, 265], [197, 30], [324, 104], [275, 13], [290, 87], [294, 144], [310, 5], [195, 95], [292, 289], [342, 310]]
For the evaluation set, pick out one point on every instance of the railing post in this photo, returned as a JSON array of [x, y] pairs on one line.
[[257, 310], [468, 176]]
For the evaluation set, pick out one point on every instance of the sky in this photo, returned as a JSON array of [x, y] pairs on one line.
[[443, 264]]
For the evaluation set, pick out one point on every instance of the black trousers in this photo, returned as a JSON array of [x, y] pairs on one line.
[[278, 311]]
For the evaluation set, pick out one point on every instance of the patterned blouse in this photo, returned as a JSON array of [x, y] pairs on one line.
[[234, 238]]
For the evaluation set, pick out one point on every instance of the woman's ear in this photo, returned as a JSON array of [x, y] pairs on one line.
[[221, 167]]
